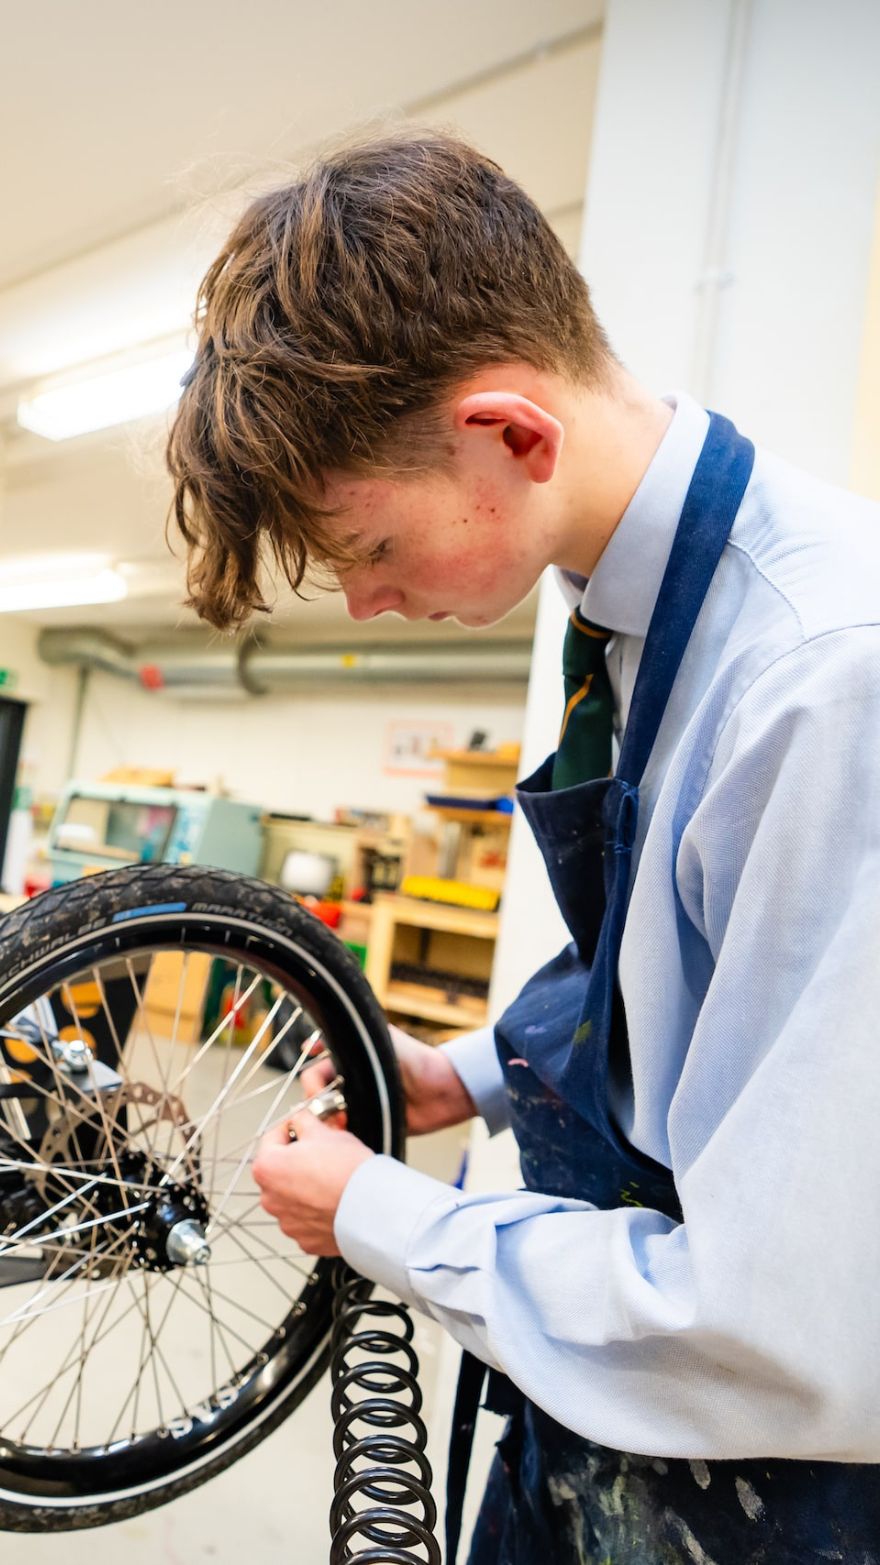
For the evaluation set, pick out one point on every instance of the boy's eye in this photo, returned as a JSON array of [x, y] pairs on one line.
[[379, 552]]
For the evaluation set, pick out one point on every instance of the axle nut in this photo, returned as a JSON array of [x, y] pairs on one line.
[[187, 1244]]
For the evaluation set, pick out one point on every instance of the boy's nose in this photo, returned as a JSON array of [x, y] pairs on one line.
[[365, 602]]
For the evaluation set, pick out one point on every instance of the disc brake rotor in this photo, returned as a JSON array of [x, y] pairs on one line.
[[125, 1172]]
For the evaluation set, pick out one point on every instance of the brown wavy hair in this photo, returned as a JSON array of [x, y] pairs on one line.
[[341, 312]]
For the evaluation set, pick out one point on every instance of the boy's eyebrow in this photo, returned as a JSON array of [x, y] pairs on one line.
[[342, 554], [355, 551]]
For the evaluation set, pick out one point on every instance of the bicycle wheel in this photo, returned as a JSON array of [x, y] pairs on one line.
[[134, 1254]]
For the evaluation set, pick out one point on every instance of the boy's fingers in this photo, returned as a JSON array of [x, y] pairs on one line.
[[316, 1077], [305, 1126], [277, 1135]]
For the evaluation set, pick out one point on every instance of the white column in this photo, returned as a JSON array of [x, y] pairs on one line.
[[735, 160], [531, 929]]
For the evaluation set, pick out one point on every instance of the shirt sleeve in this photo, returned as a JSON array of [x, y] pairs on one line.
[[751, 1328], [475, 1059]]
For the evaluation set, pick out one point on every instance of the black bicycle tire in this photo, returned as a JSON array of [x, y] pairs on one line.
[[65, 920]]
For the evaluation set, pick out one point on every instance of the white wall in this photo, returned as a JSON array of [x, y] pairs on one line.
[[534, 939], [763, 201], [300, 753], [18, 652]]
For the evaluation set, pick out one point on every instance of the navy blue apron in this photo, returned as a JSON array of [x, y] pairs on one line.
[[552, 1495]]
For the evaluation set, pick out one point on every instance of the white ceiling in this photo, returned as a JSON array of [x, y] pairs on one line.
[[127, 119], [119, 113]]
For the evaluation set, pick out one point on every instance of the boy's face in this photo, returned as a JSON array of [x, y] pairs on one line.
[[470, 541], [438, 546]]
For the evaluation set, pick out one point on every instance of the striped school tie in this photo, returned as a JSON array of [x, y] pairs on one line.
[[584, 750]]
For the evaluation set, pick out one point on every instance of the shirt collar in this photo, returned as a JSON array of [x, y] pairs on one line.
[[623, 588]]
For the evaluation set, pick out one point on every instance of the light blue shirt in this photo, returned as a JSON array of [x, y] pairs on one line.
[[750, 970]]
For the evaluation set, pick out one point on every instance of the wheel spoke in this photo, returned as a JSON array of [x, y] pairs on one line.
[[109, 1139], [227, 1061], [100, 1168], [248, 1346], [252, 1048], [205, 1277], [13, 1241], [154, 1356], [50, 1060], [160, 1356], [68, 1172], [236, 1221], [25, 1325], [255, 1261], [31, 1316], [140, 1015], [217, 1329], [247, 1260], [88, 1305], [224, 1022], [26, 1322], [23, 1312], [80, 1228], [286, 1084], [155, 1349]]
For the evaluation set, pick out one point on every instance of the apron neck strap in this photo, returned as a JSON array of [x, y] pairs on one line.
[[713, 499]]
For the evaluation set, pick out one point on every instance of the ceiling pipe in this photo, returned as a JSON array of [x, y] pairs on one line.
[[87, 649], [254, 669], [266, 670]]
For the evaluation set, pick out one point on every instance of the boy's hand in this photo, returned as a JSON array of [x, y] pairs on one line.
[[302, 1181], [435, 1094]]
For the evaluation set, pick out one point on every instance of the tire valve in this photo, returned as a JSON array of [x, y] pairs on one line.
[[323, 1105]]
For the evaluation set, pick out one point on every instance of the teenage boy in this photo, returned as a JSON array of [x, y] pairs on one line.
[[400, 383]]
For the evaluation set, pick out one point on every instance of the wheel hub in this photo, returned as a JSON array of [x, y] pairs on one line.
[[172, 1231]]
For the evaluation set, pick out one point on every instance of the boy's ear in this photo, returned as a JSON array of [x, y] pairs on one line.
[[528, 432]]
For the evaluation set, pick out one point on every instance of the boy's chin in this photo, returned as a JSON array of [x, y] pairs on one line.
[[474, 621]]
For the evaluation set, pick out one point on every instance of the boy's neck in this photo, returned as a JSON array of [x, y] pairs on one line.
[[611, 438]]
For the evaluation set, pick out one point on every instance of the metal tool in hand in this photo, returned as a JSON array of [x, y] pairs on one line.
[[323, 1105]]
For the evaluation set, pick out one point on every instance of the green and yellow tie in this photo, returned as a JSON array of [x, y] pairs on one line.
[[584, 750]]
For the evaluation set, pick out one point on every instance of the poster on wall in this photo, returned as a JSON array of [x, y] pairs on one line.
[[409, 747]]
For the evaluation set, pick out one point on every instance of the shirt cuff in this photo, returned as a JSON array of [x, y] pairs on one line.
[[475, 1060], [381, 1207]]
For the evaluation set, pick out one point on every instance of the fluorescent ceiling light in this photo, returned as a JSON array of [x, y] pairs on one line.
[[106, 397], [59, 582]]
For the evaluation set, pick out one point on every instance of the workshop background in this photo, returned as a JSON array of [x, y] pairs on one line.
[[713, 166]]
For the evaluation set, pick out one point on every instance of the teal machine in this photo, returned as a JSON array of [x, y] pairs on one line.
[[101, 825]]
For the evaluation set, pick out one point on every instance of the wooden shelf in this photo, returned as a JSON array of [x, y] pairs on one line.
[[482, 758], [471, 772], [437, 915], [377, 839], [445, 925], [471, 817], [405, 999]]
